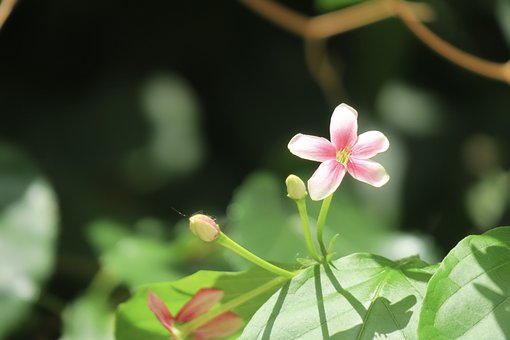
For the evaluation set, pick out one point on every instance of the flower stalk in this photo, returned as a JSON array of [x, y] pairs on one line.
[[321, 222], [228, 243], [303, 213], [296, 190]]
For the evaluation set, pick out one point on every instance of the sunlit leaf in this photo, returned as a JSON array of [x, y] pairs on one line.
[[469, 295], [28, 227], [135, 321], [362, 296]]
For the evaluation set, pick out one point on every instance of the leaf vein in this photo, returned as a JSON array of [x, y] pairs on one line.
[[376, 295]]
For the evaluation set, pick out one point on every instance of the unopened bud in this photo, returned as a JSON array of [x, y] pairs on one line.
[[204, 227], [295, 187]]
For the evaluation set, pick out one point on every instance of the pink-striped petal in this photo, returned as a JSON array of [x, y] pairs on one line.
[[343, 127], [199, 304], [158, 307], [368, 171], [370, 144], [222, 326], [325, 180], [312, 148]]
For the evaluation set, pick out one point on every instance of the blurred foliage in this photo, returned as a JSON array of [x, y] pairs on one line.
[[264, 220], [175, 145], [133, 258], [488, 199], [88, 317], [28, 229], [163, 109]]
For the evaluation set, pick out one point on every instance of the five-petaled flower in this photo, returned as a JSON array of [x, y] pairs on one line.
[[220, 326], [345, 152]]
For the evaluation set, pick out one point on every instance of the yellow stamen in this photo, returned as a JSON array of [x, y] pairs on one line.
[[342, 156]]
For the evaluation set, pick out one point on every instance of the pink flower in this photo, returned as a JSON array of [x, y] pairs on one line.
[[346, 152], [221, 326]]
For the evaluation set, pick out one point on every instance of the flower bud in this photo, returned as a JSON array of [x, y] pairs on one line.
[[204, 227], [295, 187]]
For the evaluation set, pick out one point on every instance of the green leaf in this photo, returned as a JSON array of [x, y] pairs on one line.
[[469, 295], [135, 320], [362, 296], [28, 227]]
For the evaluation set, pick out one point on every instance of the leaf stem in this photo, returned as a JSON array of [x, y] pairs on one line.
[[320, 224], [228, 243], [203, 319], [303, 213]]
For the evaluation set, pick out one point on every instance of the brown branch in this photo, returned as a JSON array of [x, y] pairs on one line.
[[316, 30], [412, 14], [326, 25], [6, 7], [280, 15], [363, 14], [490, 69]]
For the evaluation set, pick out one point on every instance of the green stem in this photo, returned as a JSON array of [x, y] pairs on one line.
[[320, 224], [203, 319], [301, 204], [226, 242]]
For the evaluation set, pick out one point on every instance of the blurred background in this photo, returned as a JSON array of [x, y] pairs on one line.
[[121, 118]]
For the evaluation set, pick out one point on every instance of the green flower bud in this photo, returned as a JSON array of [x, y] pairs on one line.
[[296, 188]]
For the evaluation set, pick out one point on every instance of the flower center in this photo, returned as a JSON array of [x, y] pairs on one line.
[[342, 156]]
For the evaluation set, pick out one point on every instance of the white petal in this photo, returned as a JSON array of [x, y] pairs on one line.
[[368, 171], [325, 180], [343, 128], [370, 144], [312, 148]]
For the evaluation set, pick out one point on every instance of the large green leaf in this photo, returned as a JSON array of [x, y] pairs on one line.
[[469, 295], [362, 296], [28, 227], [135, 320]]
